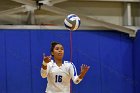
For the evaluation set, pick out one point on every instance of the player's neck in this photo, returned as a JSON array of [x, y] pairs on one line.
[[58, 62]]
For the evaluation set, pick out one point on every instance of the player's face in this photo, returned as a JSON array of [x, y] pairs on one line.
[[58, 51]]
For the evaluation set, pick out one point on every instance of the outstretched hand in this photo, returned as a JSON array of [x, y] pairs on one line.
[[84, 69]]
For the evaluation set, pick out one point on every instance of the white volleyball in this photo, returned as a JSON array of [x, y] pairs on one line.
[[72, 22]]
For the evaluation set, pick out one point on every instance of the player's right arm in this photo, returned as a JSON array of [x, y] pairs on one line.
[[45, 66]]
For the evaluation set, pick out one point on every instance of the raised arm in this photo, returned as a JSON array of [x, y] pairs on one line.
[[45, 66], [77, 78]]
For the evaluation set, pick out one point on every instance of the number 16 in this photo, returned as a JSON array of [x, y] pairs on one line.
[[58, 78]]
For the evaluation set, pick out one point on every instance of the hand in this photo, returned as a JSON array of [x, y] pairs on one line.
[[84, 69], [46, 59]]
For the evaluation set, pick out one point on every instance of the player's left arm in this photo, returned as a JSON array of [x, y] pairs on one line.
[[77, 78]]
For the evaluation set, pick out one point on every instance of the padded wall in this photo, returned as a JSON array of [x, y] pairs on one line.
[[109, 53], [3, 80], [137, 63]]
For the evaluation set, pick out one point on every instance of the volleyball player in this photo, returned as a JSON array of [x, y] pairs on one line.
[[59, 72]]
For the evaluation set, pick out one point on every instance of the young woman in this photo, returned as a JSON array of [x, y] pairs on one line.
[[59, 72]]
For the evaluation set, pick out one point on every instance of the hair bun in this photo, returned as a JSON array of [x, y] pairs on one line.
[[54, 43]]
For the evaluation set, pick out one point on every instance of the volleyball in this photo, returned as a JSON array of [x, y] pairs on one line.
[[72, 22]]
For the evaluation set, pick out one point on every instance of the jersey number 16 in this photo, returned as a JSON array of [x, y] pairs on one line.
[[58, 78]]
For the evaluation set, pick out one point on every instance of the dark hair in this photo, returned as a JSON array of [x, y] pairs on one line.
[[53, 44]]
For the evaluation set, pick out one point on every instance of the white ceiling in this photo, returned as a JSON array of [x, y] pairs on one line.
[[23, 12], [14, 10]]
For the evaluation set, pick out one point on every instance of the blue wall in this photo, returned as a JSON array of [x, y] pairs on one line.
[[109, 53], [137, 62]]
